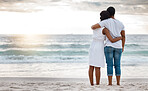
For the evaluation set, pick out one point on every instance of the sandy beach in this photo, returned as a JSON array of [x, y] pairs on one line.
[[73, 77], [69, 84]]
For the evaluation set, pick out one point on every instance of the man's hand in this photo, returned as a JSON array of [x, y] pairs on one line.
[[122, 49], [95, 26]]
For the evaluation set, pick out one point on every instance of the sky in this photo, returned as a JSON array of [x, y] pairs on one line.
[[69, 16]]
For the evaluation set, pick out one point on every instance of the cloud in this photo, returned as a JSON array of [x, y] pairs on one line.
[[18, 5], [122, 6]]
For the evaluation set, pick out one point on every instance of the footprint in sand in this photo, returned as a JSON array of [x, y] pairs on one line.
[[131, 84], [121, 87], [15, 87]]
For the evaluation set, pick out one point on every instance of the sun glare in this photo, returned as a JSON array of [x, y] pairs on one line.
[[31, 38], [25, 40]]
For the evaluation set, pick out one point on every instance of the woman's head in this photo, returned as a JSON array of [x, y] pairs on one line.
[[104, 15]]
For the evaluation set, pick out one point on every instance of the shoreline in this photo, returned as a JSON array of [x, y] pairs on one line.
[[65, 70], [65, 79], [69, 84]]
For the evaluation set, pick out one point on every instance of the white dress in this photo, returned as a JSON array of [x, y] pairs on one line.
[[96, 50]]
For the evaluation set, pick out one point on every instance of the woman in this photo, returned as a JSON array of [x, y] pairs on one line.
[[96, 51]]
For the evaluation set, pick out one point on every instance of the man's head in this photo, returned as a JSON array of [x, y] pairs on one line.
[[111, 10], [104, 15]]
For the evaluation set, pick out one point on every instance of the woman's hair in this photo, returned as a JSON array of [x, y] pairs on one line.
[[104, 15]]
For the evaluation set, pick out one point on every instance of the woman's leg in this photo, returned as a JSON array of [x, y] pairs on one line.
[[90, 72], [97, 72]]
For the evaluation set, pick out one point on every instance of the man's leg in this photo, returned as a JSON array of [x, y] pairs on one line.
[[97, 72], [90, 73], [109, 60], [117, 61]]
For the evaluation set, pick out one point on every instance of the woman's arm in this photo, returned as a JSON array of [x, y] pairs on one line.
[[106, 32]]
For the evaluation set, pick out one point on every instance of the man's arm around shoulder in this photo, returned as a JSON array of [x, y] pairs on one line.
[[100, 24], [95, 26]]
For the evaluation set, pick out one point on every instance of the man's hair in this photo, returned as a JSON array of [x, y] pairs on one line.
[[111, 10], [104, 15]]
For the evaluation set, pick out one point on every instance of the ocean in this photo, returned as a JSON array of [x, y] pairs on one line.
[[64, 49], [64, 56]]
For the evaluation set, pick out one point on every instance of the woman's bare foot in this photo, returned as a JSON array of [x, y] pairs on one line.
[[97, 84], [118, 84], [92, 84], [109, 84]]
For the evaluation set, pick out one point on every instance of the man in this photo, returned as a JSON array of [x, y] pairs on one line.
[[113, 51]]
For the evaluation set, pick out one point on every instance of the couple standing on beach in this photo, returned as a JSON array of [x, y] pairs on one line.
[[112, 31]]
